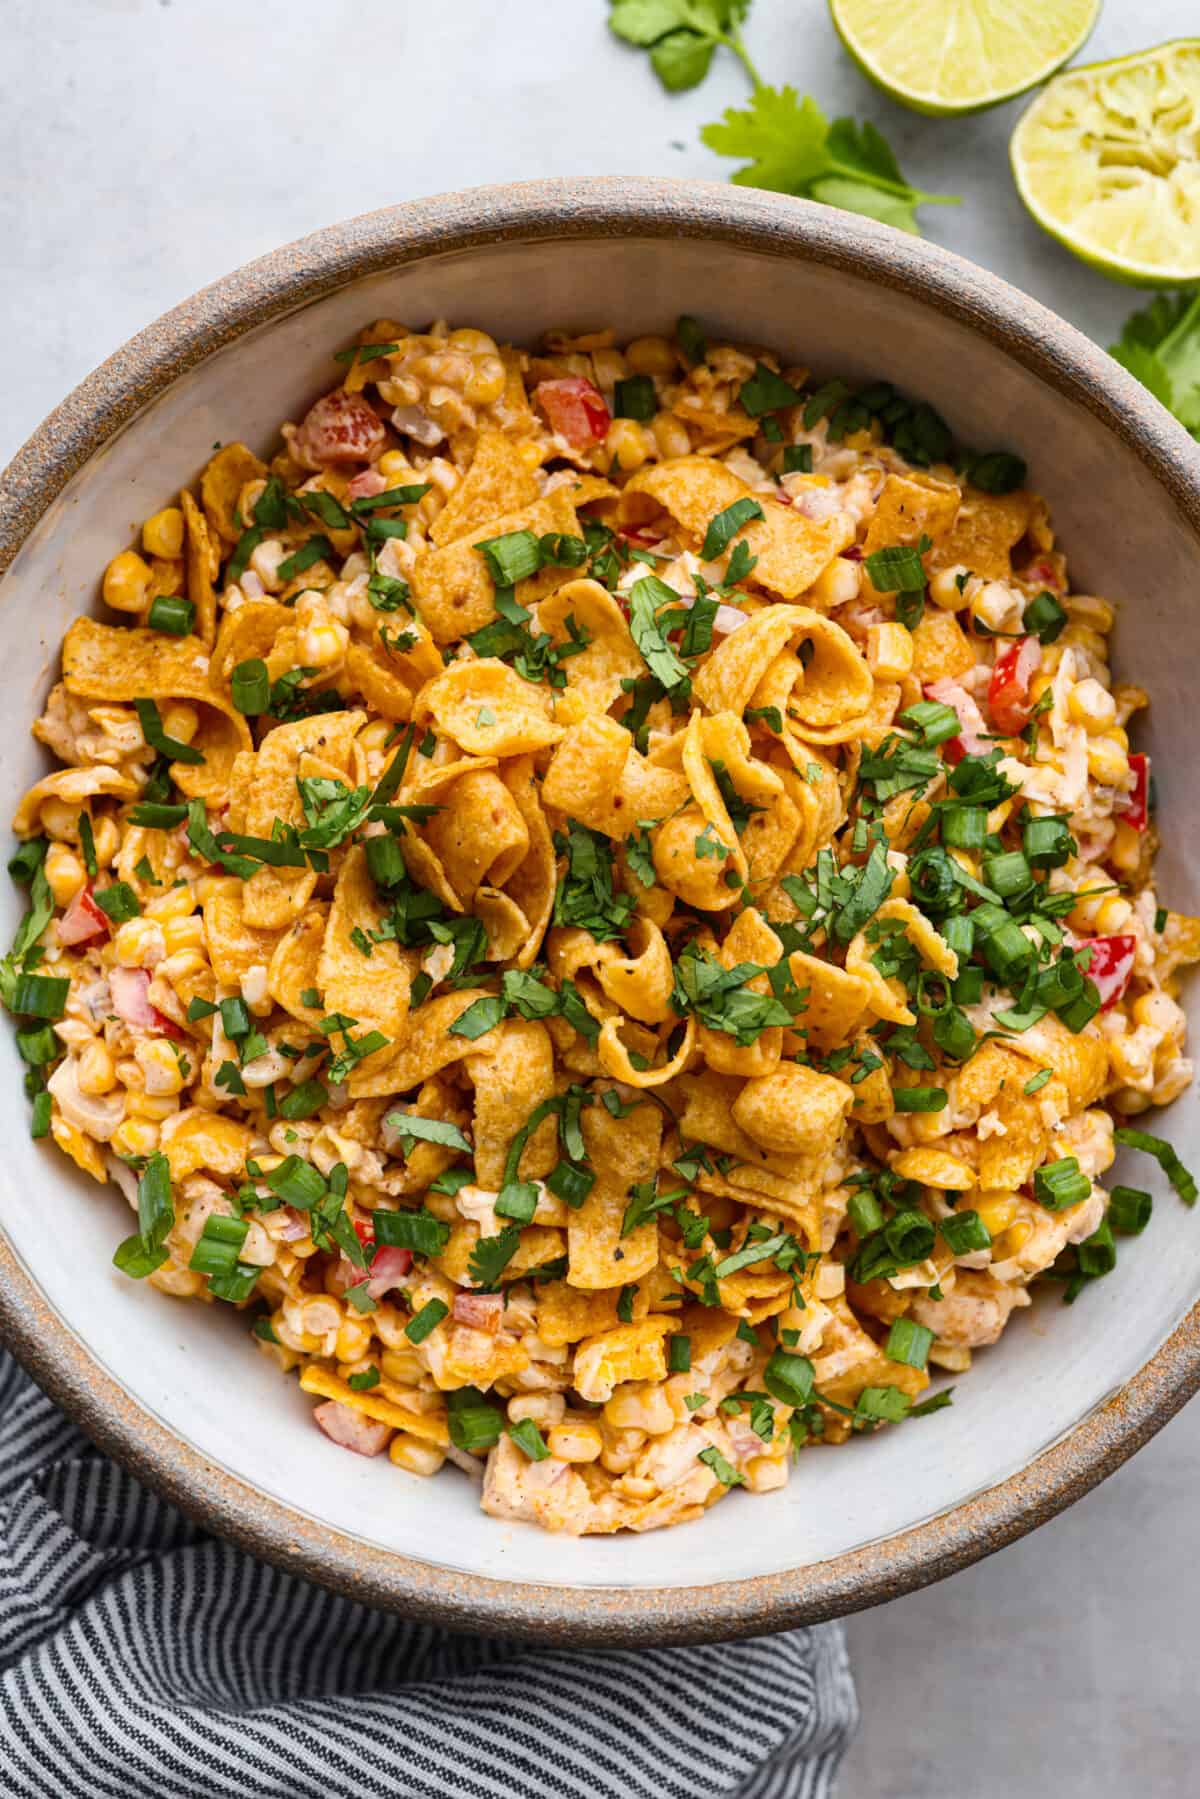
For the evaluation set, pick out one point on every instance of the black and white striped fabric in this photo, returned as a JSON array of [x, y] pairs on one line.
[[141, 1657]]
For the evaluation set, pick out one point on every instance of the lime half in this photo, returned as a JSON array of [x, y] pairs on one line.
[[1108, 161], [948, 56]]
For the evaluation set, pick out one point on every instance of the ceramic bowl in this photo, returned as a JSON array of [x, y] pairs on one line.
[[176, 1391]]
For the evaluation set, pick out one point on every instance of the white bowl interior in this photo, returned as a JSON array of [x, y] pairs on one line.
[[195, 1367]]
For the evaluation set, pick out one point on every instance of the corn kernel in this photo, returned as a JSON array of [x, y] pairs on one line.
[[160, 1068], [889, 651], [671, 436], [183, 933], [94, 1071], [835, 585], [765, 1473], [177, 902], [135, 1137], [544, 1408], [1107, 761], [139, 943], [59, 820], [651, 356], [1125, 851], [393, 465], [414, 1456], [155, 1107], [127, 582], [1091, 705], [575, 1441], [180, 720], [107, 839], [65, 873], [324, 643], [473, 341], [353, 1338], [486, 381], [630, 443], [945, 590], [1113, 915], [635, 1407], [996, 1214], [162, 535]]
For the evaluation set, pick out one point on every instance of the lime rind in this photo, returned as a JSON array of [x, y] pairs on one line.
[[1107, 161], [949, 57]]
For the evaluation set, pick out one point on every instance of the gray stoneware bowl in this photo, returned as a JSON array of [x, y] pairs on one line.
[[177, 1392]]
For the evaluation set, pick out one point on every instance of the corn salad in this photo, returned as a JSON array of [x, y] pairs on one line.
[[602, 899]]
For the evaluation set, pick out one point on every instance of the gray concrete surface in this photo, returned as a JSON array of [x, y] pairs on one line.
[[148, 146]]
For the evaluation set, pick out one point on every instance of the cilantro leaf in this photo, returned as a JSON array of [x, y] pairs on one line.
[[646, 599], [681, 35], [789, 146], [491, 1256]]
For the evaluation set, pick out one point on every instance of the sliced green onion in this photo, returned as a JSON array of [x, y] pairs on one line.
[[525, 1433], [1129, 1210], [679, 1354], [251, 684], [38, 1047], [788, 1377], [909, 1343], [865, 1212], [511, 558], [1097, 1254], [1165, 1156], [426, 1320], [474, 1425], [909, 1236], [1008, 873], [419, 1231], [797, 459], [963, 827], [1058, 1185], [635, 398], [40, 995], [965, 1232], [1048, 842], [172, 614], [936, 721], [39, 1124], [297, 1183], [920, 1099], [517, 1199]]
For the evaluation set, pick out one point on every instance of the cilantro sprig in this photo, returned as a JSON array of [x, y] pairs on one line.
[[1161, 346], [682, 35], [788, 145]]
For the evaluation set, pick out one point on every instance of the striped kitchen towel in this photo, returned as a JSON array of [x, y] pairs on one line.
[[143, 1659]]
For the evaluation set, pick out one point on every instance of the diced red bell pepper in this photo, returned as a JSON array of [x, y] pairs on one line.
[[1109, 966], [971, 739], [575, 409], [1008, 689], [1135, 807], [82, 920]]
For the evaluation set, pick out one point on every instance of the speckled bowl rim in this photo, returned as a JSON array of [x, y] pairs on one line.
[[292, 277]]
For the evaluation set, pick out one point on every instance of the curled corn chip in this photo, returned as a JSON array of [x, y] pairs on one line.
[[487, 709], [451, 587]]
